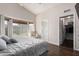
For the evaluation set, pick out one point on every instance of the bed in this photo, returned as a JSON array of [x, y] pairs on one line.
[[26, 47]]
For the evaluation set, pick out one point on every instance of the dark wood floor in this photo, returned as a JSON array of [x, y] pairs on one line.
[[67, 43], [54, 50]]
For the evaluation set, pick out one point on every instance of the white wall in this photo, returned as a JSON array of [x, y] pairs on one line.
[[77, 32], [14, 10], [52, 15]]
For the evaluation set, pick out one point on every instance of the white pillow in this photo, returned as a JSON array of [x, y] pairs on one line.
[[2, 44], [5, 38]]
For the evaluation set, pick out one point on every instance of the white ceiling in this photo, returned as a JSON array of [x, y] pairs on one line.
[[37, 8]]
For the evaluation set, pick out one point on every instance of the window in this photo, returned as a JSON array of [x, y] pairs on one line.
[[31, 29], [20, 29], [12, 27]]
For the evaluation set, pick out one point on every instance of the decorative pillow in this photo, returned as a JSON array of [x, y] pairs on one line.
[[2, 44], [6, 38], [13, 40]]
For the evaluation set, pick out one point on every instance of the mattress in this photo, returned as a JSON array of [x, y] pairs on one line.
[[25, 47]]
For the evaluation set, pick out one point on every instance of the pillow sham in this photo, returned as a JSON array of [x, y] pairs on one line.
[[13, 40], [6, 38], [2, 44]]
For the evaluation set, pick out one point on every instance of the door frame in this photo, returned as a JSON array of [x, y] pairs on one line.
[[74, 29]]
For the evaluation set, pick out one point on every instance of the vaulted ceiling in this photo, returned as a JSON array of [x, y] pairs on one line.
[[37, 8]]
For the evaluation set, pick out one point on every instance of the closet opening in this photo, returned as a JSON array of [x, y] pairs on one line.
[[66, 26]]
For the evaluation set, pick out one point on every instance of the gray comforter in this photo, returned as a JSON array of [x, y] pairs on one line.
[[25, 47]]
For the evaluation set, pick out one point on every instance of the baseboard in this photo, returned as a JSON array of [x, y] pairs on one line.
[[76, 49], [54, 44]]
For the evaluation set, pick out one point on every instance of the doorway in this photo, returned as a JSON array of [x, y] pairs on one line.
[[66, 26]]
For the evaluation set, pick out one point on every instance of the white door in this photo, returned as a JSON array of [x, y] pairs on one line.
[[45, 30]]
